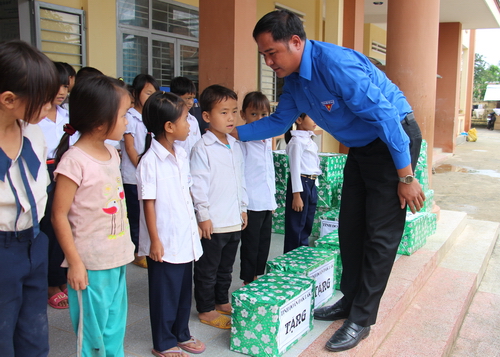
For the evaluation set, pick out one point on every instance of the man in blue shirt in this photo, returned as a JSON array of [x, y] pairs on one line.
[[350, 98]]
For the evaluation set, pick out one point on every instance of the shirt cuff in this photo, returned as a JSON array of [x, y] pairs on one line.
[[202, 215], [244, 133], [401, 159]]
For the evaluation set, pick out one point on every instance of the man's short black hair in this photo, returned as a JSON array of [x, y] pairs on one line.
[[282, 24]]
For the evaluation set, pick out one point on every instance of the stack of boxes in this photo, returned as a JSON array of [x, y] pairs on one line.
[[316, 263], [329, 190], [271, 314], [275, 311]]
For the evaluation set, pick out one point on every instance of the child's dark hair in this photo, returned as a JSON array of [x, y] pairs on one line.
[[282, 24], [182, 85], [256, 99], [93, 102], [29, 74], [215, 94], [138, 85], [63, 73], [69, 68], [87, 72], [288, 133], [161, 107]]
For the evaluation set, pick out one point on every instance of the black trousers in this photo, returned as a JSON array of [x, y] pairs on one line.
[[371, 224], [56, 275], [255, 243], [298, 225], [212, 272], [133, 212], [170, 292]]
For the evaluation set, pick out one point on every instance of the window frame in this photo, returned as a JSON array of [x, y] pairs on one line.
[[69, 10], [154, 35]]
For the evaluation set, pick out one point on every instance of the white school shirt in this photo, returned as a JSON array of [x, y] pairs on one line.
[[302, 156], [8, 208], [194, 134], [259, 175], [137, 129], [219, 191], [166, 179], [53, 132]]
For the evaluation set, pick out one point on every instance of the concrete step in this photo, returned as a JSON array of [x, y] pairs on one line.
[[431, 323], [409, 275]]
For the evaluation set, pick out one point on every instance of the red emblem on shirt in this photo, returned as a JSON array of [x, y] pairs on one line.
[[328, 104]]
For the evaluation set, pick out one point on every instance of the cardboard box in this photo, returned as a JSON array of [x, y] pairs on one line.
[[418, 227], [331, 242], [315, 263], [271, 314]]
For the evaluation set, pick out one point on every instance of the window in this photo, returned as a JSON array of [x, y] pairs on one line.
[[60, 33], [378, 47], [159, 37]]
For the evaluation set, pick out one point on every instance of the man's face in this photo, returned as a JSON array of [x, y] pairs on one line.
[[283, 57]]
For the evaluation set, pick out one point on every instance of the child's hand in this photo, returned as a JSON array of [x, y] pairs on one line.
[[156, 251], [244, 218], [297, 203], [200, 232], [206, 229], [77, 276]]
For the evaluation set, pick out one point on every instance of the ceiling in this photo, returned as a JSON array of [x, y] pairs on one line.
[[473, 14]]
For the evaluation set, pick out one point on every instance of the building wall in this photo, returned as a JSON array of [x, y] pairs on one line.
[[373, 33], [311, 9], [101, 32]]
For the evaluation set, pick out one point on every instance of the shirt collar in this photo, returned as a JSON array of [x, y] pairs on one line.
[[305, 70], [63, 113], [302, 133], [163, 153], [132, 111], [209, 138]]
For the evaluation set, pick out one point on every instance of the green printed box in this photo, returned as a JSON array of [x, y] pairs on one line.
[[271, 314], [316, 263], [331, 242], [428, 203], [329, 182], [421, 170], [332, 167], [278, 224], [322, 217], [418, 227]]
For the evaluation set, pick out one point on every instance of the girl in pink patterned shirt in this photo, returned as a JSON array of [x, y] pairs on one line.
[[90, 218]]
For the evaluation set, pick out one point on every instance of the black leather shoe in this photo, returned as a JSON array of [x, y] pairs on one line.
[[347, 337], [332, 312]]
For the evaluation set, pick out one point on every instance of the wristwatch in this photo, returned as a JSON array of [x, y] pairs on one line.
[[407, 179]]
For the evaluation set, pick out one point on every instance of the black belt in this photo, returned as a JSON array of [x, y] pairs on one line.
[[408, 118]]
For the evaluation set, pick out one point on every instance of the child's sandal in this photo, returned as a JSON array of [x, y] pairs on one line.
[[192, 345], [173, 352]]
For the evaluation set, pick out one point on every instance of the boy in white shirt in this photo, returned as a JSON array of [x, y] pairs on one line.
[[261, 188], [220, 201], [301, 193], [186, 89]]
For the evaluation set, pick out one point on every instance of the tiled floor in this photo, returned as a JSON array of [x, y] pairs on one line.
[[138, 338]]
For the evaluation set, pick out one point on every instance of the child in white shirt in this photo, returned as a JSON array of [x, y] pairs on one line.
[[301, 196], [220, 201], [186, 89], [132, 146], [261, 188], [169, 235]]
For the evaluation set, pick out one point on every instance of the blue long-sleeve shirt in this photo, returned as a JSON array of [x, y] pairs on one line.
[[346, 95]]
